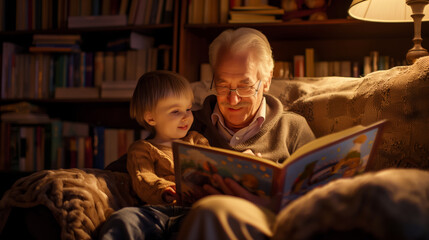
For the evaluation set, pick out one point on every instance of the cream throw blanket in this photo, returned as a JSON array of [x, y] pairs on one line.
[[388, 204], [79, 199]]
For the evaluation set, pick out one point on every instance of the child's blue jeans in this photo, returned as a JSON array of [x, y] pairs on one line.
[[147, 222]]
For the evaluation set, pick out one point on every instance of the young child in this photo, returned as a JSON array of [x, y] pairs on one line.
[[161, 103]]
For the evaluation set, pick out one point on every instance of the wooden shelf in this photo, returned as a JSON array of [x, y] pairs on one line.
[[332, 39], [102, 112], [324, 29], [137, 28], [95, 36]]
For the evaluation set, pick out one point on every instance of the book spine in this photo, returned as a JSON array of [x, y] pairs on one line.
[[55, 11], [29, 163], [89, 69], [130, 68], [160, 12], [298, 62], [88, 153], [2, 20], [309, 62], [29, 15], [132, 11], [56, 143], [22, 148], [80, 145], [122, 142], [96, 7], [48, 146], [148, 11], [119, 66], [82, 70], [13, 151], [76, 81], [366, 65], [71, 152], [110, 146], [109, 68], [51, 83], [39, 146], [98, 147], [123, 7], [70, 70], [168, 16]]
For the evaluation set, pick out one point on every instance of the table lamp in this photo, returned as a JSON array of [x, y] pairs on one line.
[[395, 11]]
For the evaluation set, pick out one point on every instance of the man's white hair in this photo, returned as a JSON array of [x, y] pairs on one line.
[[245, 40]]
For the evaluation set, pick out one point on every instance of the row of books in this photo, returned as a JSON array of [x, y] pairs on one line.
[[375, 62], [55, 43], [37, 75], [60, 144], [255, 14], [306, 65], [150, 11], [208, 11], [109, 90], [55, 14], [232, 11]]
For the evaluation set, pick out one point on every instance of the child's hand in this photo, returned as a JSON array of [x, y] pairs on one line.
[[169, 195], [250, 152]]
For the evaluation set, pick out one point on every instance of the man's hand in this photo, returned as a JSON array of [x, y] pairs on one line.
[[169, 195], [250, 152], [231, 187]]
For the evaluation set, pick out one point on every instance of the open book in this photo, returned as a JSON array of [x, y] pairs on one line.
[[342, 154]]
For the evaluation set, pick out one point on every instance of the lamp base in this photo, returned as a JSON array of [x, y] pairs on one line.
[[415, 53], [417, 7]]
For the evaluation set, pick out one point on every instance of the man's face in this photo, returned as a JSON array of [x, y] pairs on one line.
[[232, 71]]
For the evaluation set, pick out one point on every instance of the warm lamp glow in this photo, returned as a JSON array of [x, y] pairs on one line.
[[395, 11], [383, 11]]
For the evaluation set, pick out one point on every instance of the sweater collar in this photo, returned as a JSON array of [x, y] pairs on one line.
[[274, 110], [259, 118]]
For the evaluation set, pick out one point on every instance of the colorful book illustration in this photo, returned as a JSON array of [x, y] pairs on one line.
[[342, 154]]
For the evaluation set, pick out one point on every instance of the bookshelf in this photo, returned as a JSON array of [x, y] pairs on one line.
[[106, 113], [335, 39]]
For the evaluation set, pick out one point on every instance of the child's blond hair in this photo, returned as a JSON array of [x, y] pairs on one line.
[[154, 86]]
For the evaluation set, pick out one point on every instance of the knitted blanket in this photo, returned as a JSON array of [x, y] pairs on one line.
[[79, 199]]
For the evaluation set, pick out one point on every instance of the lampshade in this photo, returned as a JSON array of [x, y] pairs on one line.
[[395, 11], [384, 10]]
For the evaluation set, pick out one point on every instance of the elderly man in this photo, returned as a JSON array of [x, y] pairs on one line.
[[239, 117], [242, 117]]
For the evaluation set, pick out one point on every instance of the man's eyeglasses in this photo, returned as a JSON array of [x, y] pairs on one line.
[[248, 91]]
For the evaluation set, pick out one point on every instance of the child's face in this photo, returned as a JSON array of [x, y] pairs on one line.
[[172, 118]]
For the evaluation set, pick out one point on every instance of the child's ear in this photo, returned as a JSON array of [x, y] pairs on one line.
[[149, 118]]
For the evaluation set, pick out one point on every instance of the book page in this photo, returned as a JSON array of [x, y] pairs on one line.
[[339, 155], [195, 167], [328, 139]]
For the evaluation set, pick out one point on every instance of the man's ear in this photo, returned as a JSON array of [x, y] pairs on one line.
[[149, 118], [267, 83]]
